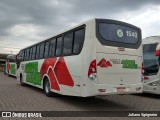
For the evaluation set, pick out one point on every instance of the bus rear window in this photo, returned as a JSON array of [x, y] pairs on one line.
[[119, 34]]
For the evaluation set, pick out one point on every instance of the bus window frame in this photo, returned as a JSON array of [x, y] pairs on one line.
[[44, 56], [63, 52], [50, 55]]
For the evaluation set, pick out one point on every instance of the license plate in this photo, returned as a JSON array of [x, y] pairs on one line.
[[121, 89]]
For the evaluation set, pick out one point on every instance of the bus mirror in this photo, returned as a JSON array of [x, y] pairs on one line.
[[158, 50]]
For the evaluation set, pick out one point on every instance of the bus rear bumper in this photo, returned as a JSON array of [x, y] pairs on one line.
[[151, 89], [102, 89]]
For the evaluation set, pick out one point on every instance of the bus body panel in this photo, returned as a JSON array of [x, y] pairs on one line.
[[151, 89], [11, 65], [116, 69], [73, 64], [93, 89], [13, 68], [65, 89]]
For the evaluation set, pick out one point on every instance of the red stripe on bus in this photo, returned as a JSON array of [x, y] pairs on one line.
[[46, 64], [62, 73], [54, 83]]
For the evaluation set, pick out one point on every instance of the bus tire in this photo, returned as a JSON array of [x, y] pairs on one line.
[[46, 88], [21, 80]]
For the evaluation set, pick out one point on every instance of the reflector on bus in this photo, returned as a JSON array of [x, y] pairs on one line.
[[158, 50]]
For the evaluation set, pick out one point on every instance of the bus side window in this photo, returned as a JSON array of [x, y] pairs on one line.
[[37, 53], [18, 59], [41, 55], [52, 48], [33, 52], [78, 40], [30, 56], [68, 43], [27, 57], [59, 46], [46, 49], [22, 57]]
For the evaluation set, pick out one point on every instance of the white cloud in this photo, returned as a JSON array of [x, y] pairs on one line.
[[21, 36], [148, 19], [23, 25], [10, 50], [27, 31]]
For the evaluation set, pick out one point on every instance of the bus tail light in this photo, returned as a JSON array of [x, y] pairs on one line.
[[157, 52], [142, 68], [92, 72], [146, 78]]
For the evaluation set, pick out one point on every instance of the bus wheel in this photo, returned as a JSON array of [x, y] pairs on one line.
[[21, 80], [46, 88]]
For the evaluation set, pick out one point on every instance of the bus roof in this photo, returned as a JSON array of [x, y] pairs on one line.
[[151, 39]]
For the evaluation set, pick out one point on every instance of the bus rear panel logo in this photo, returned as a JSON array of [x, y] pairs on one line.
[[104, 63]]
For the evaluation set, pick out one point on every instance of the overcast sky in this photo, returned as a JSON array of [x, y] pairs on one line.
[[25, 22]]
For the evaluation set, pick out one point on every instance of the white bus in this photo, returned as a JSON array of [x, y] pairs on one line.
[[97, 57], [11, 65], [151, 64]]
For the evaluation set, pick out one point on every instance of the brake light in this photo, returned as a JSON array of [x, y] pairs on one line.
[[92, 72], [146, 78], [92, 68], [157, 52], [142, 68]]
